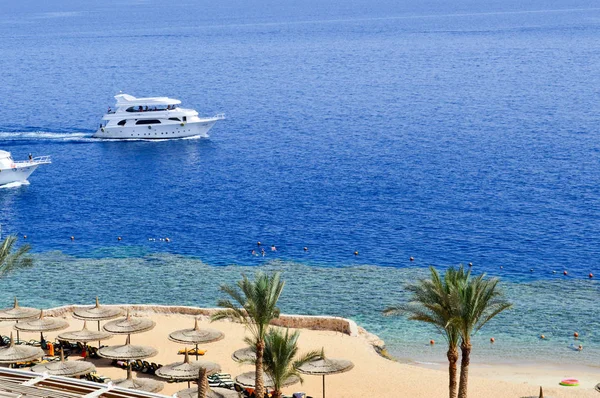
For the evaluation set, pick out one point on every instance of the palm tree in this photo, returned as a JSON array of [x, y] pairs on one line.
[[10, 258], [434, 302], [280, 358], [255, 306], [480, 300]]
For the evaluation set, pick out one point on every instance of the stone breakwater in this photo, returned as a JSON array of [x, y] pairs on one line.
[[312, 322]]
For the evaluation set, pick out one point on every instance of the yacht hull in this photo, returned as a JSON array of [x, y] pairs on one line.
[[158, 131], [17, 174]]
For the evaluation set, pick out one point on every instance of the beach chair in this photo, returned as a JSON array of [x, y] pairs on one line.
[[221, 380], [147, 367], [103, 379], [93, 352], [139, 365]]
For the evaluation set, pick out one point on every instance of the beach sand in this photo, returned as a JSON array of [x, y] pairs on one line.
[[372, 376]]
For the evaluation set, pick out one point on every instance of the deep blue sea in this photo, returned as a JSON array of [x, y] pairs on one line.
[[450, 131]]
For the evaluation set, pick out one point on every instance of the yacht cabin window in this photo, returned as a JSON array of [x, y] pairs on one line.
[[151, 108], [122, 123], [148, 121]]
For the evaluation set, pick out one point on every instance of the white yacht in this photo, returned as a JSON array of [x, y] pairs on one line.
[[12, 171], [152, 118]]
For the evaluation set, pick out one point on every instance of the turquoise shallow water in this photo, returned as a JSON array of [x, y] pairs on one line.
[[555, 307]]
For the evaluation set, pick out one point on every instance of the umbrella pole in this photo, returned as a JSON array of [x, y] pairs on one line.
[[196, 352], [98, 330], [323, 386], [17, 333]]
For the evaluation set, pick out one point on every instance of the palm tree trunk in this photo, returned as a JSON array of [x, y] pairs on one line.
[[202, 383], [465, 348], [452, 355], [276, 394], [259, 385]]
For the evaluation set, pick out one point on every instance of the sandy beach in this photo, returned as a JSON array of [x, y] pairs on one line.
[[372, 375]]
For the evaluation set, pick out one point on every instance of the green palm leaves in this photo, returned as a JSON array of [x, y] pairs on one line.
[[458, 305], [254, 304], [281, 358], [11, 259]]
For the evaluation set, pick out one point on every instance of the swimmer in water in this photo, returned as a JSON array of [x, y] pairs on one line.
[[273, 248], [262, 251], [253, 252]]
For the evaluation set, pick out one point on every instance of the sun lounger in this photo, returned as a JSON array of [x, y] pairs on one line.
[[93, 352], [191, 351], [154, 367], [139, 365]]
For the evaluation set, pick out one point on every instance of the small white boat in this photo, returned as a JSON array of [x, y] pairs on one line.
[[153, 118], [12, 171]]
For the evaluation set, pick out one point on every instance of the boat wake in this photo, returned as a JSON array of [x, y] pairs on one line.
[[15, 184], [44, 136]]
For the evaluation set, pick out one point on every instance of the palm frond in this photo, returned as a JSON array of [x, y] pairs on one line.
[[11, 259]]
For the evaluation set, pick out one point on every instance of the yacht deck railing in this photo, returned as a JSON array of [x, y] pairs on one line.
[[32, 161]]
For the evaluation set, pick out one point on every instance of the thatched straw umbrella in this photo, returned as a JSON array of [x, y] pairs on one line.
[[84, 335], [244, 355], [148, 385], [128, 352], [42, 324], [323, 366], [97, 313], [246, 380], [187, 370], [196, 336], [216, 392], [129, 325], [19, 353], [17, 313], [65, 368]]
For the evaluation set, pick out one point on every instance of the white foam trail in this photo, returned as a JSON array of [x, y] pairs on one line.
[[44, 135], [16, 184]]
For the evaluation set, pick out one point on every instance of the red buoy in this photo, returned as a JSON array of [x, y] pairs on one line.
[[565, 273], [576, 335], [591, 275], [431, 342], [492, 340]]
